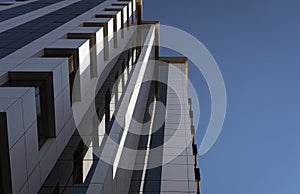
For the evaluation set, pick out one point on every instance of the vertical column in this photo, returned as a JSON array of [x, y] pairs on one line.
[[108, 29], [95, 35], [116, 15], [79, 53]]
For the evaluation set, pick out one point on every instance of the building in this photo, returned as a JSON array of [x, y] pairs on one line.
[[55, 137]]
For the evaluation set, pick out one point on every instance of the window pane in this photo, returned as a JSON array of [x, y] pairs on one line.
[[42, 133]]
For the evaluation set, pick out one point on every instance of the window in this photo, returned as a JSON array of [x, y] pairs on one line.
[[42, 133], [116, 85], [71, 73], [72, 66], [108, 118], [5, 174], [123, 75], [41, 114], [123, 66], [107, 105], [43, 102], [78, 164], [74, 92]]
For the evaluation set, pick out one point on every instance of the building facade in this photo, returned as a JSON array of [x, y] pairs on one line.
[[87, 105]]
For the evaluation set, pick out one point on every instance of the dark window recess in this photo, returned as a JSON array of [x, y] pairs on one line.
[[137, 51], [41, 107], [107, 104], [5, 174], [127, 65], [43, 135], [193, 129], [5, 4], [109, 119], [78, 164], [56, 190], [72, 74], [123, 66], [197, 174], [116, 77], [195, 150], [116, 85], [22, 9], [123, 71], [27, 36], [191, 114], [43, 99]]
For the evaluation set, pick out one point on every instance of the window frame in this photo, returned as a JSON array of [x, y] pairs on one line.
[[45, 82]]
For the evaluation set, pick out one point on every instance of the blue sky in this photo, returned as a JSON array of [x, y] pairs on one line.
[[256, 45]]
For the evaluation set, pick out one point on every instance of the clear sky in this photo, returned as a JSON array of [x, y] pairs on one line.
[[256, 44]]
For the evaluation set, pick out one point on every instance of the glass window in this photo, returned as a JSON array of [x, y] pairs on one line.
[[116, 85], [78, 164], [107, 105], [42, 132], [72, 74]]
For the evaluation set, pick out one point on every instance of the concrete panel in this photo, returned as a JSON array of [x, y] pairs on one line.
[[34, 180], [13, 109], [123, 9], [32, 148], [18, 165]]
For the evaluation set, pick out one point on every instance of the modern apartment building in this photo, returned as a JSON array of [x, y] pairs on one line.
[[87, 104]]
